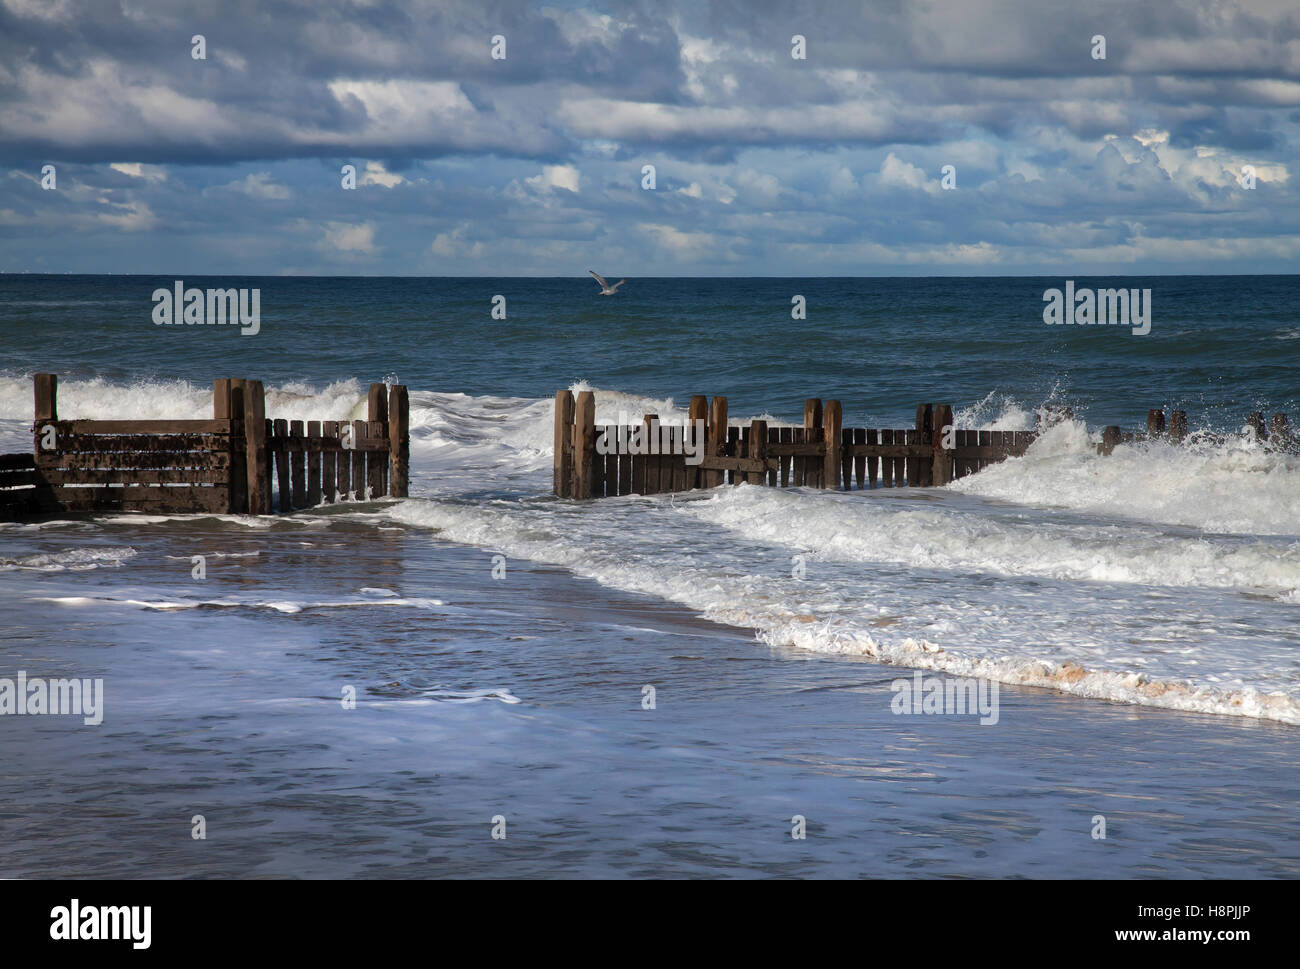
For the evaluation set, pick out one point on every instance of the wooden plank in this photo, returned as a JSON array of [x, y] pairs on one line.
[[756, 451], [717, 438], [46, 387], [399, 441], [1178, 426], [625, 470], [1110, 436], [812, 424], [833, 424], [147, 427], [774, 465], [20, 461], [328, 464], [80, 476], [343, 469], [640, 463], [221, 399], [1278, 432], [846, 459], [873, 462], [159, 500], [562, 458], [785, 436], [859, 457], [376, 462], [733, 451], [698, 418], [257, 460], [133, 459], [677, 458], [358, 462], [608, 462], [238, 479], [297, 466], [20, 478], [887, 460], [649, 434], [584, 441], [313, 466], [922, 466], [281, 451], [137, 442], [1155, 422]]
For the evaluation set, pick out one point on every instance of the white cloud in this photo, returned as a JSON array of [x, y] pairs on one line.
[[151, 173], [348, 237], [259, 185], [556, 176]]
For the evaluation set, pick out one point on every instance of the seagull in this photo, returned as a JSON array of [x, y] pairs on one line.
[[605, 288]]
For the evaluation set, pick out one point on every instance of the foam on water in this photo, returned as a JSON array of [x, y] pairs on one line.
[[1236, 486], [1157, 575]]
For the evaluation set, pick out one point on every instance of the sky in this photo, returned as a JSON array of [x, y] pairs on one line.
[[502, 139]]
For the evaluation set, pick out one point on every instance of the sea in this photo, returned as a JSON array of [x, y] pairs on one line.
[[487, 681]]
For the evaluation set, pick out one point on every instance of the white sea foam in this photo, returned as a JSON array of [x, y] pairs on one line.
[[72, 559]]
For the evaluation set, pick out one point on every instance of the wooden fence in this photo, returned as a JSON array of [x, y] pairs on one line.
[[239, 462], [594, 461]]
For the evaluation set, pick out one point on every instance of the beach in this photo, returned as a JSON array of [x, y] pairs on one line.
[[691, 685]]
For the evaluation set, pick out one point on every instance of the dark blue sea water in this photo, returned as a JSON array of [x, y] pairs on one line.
[[1219, 346], [1137, 612]]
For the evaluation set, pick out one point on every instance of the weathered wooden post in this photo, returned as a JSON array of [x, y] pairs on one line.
[[1256, 423], [280, 428], [654, 475], [1277, 430], [377, 413], [920, 471], [1110, 436], [257, 462], [584, 443], [563, 457], [359, 487], [297, 466], [831, 464], [313, 463], [47, 399], [941, 428], [717, 438], [697, 437], [343, 466], [329, 461], [1177, 426], [1155, 423], [399, 441], [809, 472], [757, 451], [238, 470]]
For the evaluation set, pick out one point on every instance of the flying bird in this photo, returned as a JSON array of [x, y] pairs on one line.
[[605, 288]]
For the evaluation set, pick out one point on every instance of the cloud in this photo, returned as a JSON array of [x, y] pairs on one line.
[[348, 238], [556, 176], [764, 163]]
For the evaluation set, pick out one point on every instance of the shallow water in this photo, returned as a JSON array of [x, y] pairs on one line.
[[233, 712], [1137, 611]]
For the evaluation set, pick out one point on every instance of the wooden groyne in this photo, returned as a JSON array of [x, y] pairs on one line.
[[821, 454], [602, 460], [239, 462]]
